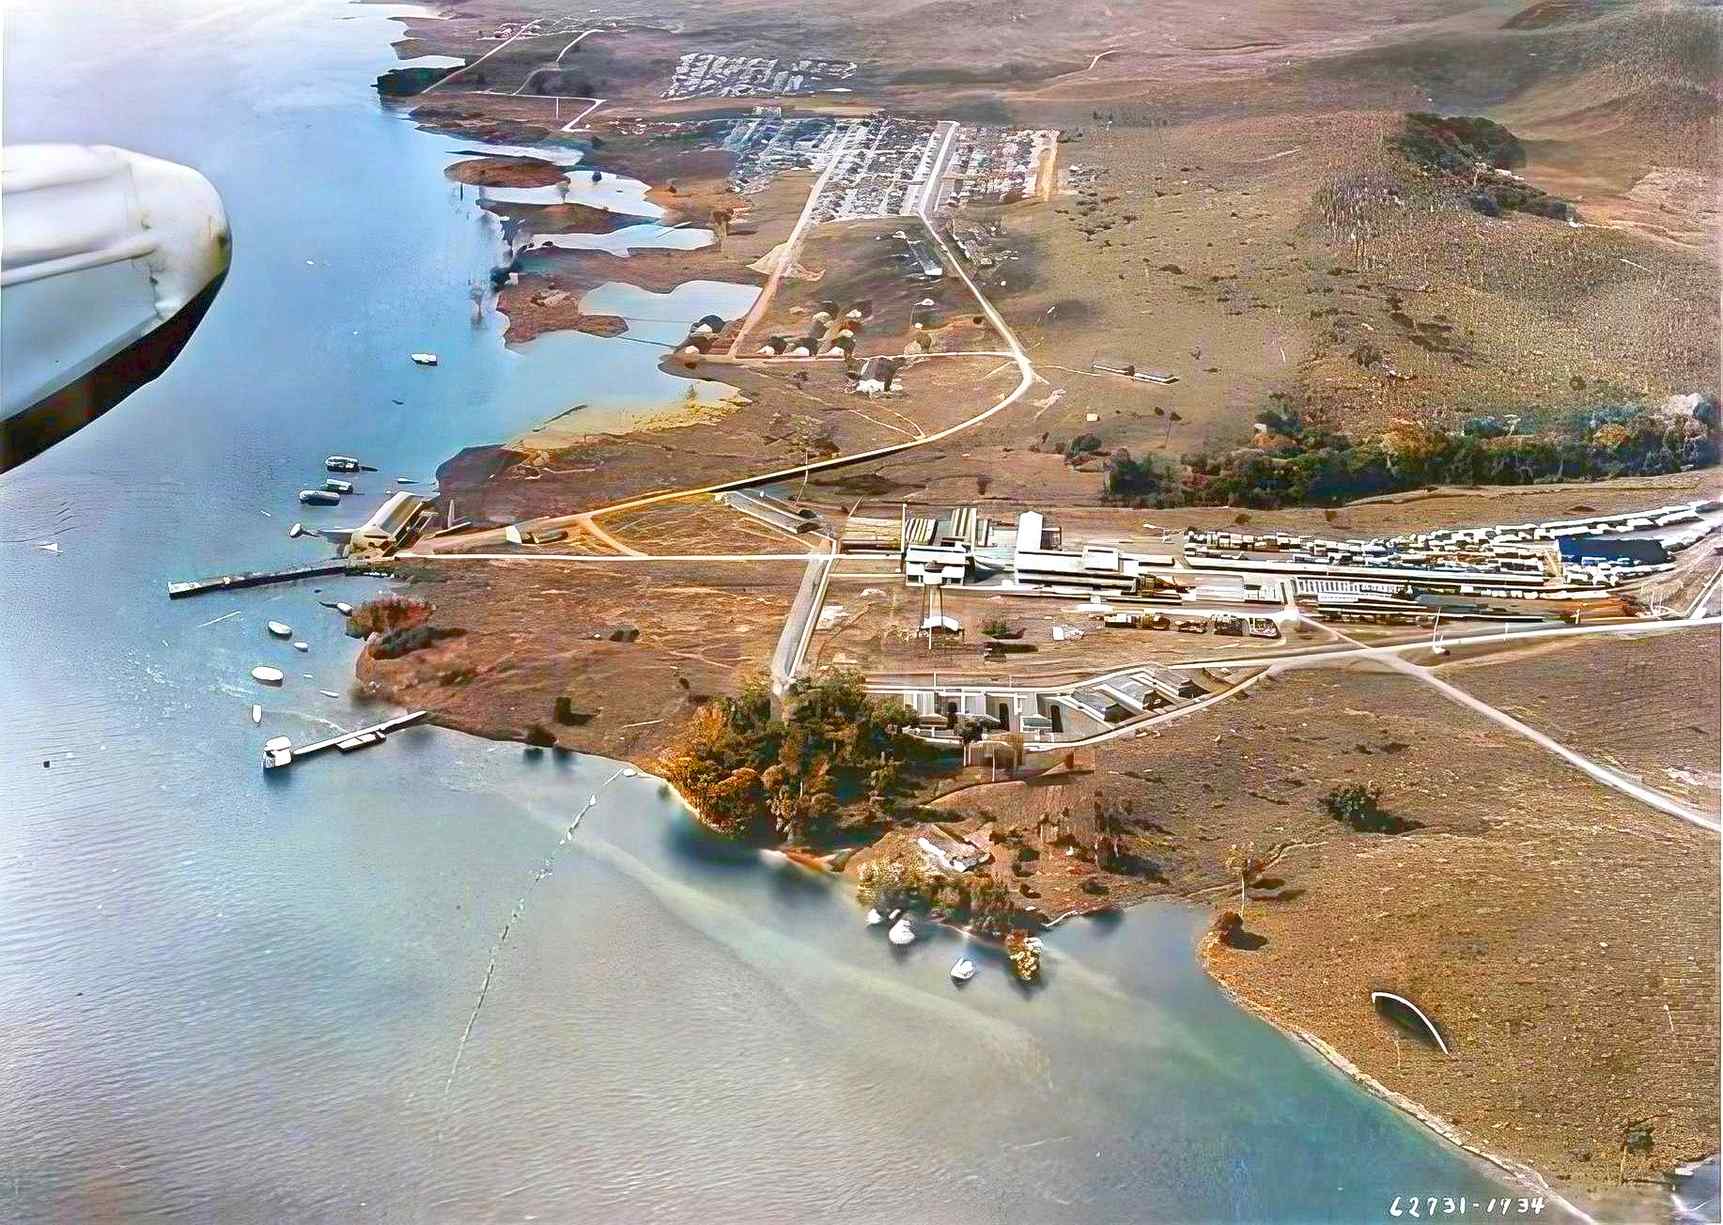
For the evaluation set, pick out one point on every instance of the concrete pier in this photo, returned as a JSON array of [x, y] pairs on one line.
[[279, 751], [259, 578]]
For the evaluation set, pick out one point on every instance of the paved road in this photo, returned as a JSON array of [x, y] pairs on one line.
[[1601, 773], [527, 31], [1322, 656]]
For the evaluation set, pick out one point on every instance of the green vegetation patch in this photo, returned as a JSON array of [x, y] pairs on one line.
[[750, 773], [1477, 153]]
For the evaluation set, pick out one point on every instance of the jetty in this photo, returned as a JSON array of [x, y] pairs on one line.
[[259, 578], [279, 751]]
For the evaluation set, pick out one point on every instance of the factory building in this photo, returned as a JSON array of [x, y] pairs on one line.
[[389, 526]]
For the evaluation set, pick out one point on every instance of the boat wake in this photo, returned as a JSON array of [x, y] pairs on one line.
[[515, 916]]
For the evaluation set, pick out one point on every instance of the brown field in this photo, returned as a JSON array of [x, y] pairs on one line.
[[878, 634], [703, 629], [699, 525], [1647, 707]]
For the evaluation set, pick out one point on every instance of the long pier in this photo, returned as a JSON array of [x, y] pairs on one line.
[[279, 751], [259, 578]]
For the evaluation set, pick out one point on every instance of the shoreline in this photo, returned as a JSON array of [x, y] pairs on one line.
[[1527, 1176]]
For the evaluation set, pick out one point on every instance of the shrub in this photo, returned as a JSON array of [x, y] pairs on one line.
[[1359, 805]]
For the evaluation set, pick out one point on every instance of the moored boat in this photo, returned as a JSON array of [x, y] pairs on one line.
[[964, 970], [874, 918], [280, 629], [425, 359], [319, 497], [335, 486], [256, 713], [263, 674], [901, 933]]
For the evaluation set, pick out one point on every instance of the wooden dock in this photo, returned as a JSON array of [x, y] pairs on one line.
[[259, 578], [279, 751]]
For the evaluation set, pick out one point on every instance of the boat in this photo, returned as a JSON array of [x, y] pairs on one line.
[[256, 713], [874, 918], [263, 674], [109, 260], [319, 497], [425, 359], [302, 646], [277, 751], [344, 608], [280, 629], [342, 463], [329, 693], [901, 933], [335, 486], [964, 970]]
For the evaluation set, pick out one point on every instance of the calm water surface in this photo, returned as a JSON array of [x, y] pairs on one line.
[[226, 999]]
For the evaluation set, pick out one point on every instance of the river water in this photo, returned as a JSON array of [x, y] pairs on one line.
[[230, 999]]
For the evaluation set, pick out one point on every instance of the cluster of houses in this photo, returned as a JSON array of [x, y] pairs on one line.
[[704, 74], [996, 165]]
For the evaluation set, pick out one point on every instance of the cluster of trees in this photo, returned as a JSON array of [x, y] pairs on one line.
[[1142, 482], [1456, 143], [750, 773], [974, 899], [1292, 464]]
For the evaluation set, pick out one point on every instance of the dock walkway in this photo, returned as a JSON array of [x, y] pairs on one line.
[[280, 751], [258, 578]]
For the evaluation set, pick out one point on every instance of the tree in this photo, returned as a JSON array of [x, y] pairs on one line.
[[1244, 863], [996, 627]]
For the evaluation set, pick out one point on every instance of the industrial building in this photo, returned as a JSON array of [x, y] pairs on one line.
[[388, 528]]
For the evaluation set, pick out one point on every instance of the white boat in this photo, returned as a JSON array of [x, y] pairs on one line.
[[319, 497], [964, 970], [901, 933], [280, 629], [874, 918], [335, 486], [329, 693], [263, 674], [344, 608], [342, 463], [277, 751], [256, 713], [425, 359], [302, 646]]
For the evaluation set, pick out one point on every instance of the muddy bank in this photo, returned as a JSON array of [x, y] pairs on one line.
[[537, 305], [505, 172], [563, 218]]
